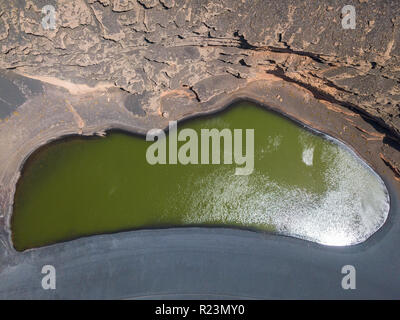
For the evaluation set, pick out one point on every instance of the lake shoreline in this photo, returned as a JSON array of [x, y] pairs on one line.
[[263, 122], [287, 99]]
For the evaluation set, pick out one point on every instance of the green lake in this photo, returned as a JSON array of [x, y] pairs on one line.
[[303, 185]]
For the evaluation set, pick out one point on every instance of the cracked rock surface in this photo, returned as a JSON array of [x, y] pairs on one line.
[[205, 48]]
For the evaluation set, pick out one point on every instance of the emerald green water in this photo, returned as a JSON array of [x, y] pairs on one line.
[[302, 185]]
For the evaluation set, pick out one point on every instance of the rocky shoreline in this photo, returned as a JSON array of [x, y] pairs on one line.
[[147, 47], [95, 112], [135, 65]]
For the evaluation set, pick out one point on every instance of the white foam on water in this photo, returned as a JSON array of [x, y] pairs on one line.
[[308, 155], [354, 206]]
